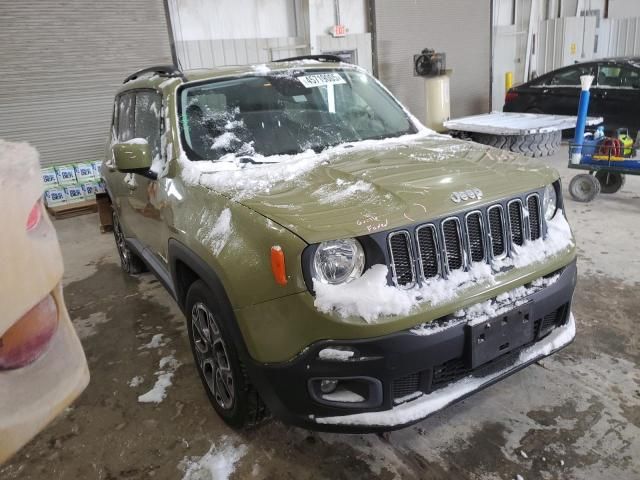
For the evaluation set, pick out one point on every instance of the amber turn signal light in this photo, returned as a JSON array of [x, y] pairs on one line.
[[277, 265]]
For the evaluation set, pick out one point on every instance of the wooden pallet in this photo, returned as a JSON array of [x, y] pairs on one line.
[[73, 209]]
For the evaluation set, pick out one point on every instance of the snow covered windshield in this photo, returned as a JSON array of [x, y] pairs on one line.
[[286, 113]]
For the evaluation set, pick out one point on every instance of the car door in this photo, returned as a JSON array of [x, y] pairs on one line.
[[559, 91], [617, 96], [143, 199]]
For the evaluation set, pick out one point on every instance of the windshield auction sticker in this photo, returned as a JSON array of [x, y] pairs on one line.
[[321, 80]]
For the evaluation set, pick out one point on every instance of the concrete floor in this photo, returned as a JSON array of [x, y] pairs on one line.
[[575, 415]]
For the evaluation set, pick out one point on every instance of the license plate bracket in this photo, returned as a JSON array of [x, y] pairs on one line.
[[500, 335]]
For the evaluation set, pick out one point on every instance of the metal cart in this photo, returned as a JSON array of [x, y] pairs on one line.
[[607, 164]]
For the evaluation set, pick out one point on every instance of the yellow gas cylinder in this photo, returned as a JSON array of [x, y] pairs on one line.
[[626, 140]]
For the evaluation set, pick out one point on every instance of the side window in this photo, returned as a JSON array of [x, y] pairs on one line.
[[630, 78], [618, 76], [125, 117], [569, 77], [148, 105]]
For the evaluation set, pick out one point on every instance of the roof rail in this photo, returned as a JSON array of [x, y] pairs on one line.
[[320, 58], [162, 70]]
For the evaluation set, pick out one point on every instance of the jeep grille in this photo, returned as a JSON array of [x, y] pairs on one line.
[[454, 243]]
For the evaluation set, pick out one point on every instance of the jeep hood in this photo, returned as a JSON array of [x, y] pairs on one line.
[[359, 190]]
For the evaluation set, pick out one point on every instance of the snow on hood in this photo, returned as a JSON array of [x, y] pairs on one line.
[[370, 297], [358, 188]]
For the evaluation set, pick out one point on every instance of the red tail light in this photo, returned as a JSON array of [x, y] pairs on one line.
[[510, 97], [29, 337], [35, 215]]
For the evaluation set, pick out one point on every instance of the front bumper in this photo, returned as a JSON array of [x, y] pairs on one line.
[[408, 376]]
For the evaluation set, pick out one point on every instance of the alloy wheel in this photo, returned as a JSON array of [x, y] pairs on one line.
[[212, 357], [121, 245]]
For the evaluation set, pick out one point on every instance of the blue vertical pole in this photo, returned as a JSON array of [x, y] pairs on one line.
[[581, 122]]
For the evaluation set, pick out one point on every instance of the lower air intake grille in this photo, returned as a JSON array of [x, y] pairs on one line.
[[476, 239], [401, 258], [515, 220], [452, 245], [448, 372], [533, 206], [406, 385]]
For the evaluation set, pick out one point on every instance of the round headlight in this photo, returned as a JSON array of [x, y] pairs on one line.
[[549, 202], [338, 261]]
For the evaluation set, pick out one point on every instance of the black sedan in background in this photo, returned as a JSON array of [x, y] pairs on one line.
[[615, 94]]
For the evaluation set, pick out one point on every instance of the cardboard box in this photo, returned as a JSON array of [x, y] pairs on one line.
[[84, 172], [74, 193], [97, 165], [54, 196], [89, 190], [49, 177], [66, 174], [101, 187]]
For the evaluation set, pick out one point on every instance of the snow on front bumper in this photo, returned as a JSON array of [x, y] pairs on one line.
[[428, 404]]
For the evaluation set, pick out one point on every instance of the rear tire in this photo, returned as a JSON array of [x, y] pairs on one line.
[[129, 261], [610, 182], [584, 187], [223, 376]]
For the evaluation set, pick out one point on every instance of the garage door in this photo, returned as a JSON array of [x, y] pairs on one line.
[[62, 62], [459, 28]]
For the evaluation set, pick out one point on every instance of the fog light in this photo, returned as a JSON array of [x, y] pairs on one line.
[[328, 386]]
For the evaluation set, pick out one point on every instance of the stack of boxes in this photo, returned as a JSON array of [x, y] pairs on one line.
[[72, 183]]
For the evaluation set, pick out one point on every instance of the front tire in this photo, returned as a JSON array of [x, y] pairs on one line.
[[222, 374]]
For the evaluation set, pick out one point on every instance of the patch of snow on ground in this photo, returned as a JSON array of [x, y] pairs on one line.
[[168, 365], [215, 232], [217, 464], [135, 381], [370, 297], [155, 342], [335, 354], [428, 404]]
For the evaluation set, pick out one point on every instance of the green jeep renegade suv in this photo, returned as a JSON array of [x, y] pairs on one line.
[[338, 264]]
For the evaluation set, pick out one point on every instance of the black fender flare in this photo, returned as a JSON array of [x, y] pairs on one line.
[[179, 252]]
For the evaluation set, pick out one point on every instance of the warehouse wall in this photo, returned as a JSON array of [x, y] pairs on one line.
[[405, 27], [624, 8], [62, 62], [230, 32]]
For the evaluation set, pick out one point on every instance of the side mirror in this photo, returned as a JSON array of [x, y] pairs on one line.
[[133, 158]]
